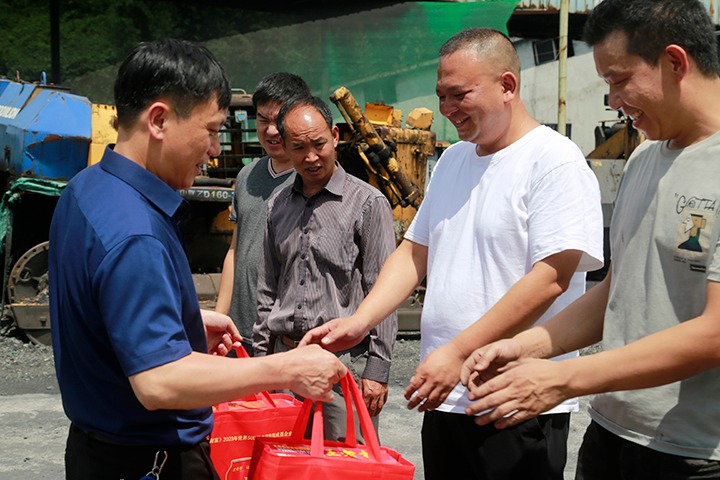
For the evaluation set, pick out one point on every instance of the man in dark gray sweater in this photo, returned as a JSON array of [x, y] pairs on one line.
[[254, 185]]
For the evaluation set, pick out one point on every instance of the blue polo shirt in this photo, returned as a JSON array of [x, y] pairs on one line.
[[122, 301]]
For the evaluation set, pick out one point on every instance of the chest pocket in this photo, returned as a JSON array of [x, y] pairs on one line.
[[334, 250]]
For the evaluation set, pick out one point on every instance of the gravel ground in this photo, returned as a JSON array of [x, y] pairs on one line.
[[25, 368]]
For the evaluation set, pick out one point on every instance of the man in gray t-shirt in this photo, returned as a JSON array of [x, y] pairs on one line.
[[254, 185], [656, 382]]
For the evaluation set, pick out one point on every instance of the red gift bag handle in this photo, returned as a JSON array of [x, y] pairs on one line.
[[317, 440], [242, 353], [352, 395]]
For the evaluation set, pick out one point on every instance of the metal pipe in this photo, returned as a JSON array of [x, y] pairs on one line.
[[55, 41], [410, 193], [562, 66]]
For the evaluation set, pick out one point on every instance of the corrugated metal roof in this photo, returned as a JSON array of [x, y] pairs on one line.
[[576, 6], [585, 6]]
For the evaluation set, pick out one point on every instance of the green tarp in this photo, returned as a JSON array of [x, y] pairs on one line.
[[387, 54], [12, 195]]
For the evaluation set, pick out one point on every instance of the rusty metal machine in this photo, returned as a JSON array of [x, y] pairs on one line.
[[613, 145], [377, 149], [47, 135]]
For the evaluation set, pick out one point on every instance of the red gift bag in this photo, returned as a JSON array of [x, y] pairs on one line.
[[237, 423], [298, 458]]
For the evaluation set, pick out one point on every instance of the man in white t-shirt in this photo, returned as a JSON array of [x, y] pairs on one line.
[[510, 223]]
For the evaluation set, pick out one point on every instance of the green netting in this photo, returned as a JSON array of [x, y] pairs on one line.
[[387, 54], [382, 55], [12, 195]]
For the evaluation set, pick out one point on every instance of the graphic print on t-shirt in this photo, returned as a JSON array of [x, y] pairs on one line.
[[696, 217], [692, 226]]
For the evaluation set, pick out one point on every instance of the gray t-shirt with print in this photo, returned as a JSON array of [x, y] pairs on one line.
[[664, 236]]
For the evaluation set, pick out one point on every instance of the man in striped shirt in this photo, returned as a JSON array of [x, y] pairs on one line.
[[327, 236]]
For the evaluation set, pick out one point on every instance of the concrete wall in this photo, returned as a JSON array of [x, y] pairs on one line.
[[585, 94]]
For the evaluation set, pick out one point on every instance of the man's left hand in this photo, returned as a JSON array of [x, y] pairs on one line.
[[524, 389], [375, 395], [435, 378], [222, 334]]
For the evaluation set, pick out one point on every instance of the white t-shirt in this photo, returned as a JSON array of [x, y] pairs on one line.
[[487, 220]]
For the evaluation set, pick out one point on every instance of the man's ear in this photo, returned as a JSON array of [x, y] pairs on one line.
[[157, 117], [335, 135], [678, 59], [509, 84]]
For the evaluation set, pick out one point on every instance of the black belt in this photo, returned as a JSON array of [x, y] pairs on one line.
[[290, 343], [99, 438]]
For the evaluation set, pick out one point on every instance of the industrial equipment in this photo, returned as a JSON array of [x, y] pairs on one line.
[[613, 145], [377, 149], [48, 135]]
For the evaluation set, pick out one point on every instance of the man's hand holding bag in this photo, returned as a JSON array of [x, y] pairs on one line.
[[317, 459], [239, 422]]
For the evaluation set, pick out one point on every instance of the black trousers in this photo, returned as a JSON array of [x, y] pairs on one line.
[[605, 455], [455, 447], [88, 457]]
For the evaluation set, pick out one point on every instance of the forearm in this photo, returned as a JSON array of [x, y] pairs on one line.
[[404, 269], [200, 380], [641, 365], [227, 279], [578, 325], [673, 354], [520, 307]]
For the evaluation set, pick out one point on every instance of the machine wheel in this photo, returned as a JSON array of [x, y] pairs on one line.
[[28, 294]]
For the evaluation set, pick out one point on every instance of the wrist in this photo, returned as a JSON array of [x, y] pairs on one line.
[[362, 322], [578, 380], [284, 370], [459, 350], [533, 343]]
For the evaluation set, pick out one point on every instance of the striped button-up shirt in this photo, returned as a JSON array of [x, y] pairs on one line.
[[322, 256]]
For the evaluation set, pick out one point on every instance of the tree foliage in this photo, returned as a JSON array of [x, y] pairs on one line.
[[98, 33]]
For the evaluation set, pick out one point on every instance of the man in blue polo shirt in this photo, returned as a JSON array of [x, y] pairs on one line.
[[130, 341]]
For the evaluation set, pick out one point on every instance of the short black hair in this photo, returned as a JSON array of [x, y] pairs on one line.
[[303, 101], [185, 73], [652, 25], [492, 45], [279, 87]]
